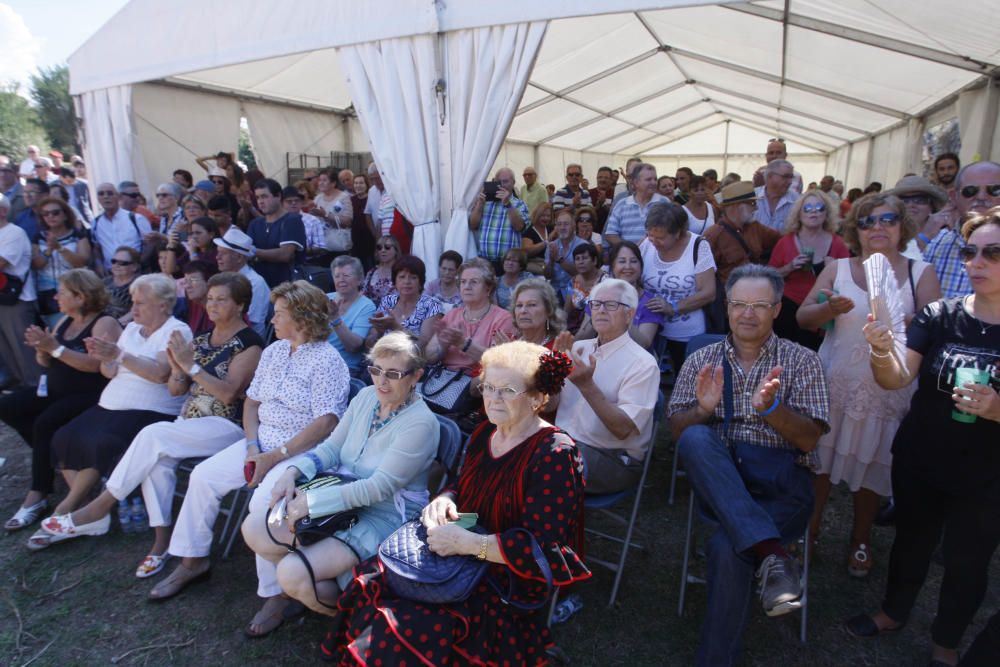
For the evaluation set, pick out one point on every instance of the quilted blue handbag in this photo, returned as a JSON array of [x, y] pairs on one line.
[[412, 571]]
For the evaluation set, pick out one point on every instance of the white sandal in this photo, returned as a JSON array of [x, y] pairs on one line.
[[151, 564], [25, 516]]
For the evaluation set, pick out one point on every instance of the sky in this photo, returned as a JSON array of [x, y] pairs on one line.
[[43, 33]]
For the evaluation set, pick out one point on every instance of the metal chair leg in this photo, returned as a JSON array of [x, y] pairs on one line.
[[687, 554], [805, 587], [244, 504]]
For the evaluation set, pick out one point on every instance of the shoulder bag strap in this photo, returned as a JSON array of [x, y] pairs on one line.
[[292, 548], [739, 237], [543, 565], [913, 289]]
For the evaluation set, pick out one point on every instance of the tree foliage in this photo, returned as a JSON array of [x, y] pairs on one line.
[[246, 154], [19, 125], [50, 91]]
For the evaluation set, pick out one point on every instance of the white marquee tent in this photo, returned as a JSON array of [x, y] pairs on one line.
[[441, 91]]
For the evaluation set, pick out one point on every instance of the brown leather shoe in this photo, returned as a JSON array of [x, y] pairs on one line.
[[177, 581]]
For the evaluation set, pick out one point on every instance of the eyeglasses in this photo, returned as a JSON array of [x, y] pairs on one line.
[[376, 371], [385, 247], [163, 194], [759, 308], [503, 393], [105, 193], [574, 174], [916, 199], [886, 220], [610, 306], [813, 208], [51, 213], [585, 218], [970, 191], [122, 262], [218, 181], [133, 195], [991, 252]]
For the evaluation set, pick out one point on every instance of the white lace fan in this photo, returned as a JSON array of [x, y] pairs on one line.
[[885, 301]]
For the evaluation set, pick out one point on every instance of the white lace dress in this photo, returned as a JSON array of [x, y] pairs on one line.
[[863, 416]]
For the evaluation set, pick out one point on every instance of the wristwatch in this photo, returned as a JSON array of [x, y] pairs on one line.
[[284, 451], [58, 352]]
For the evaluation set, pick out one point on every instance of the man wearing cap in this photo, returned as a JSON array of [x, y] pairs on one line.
[[923, 200], [11, 188], [279, 237], [972, 194], [776, 197], [116, 227], [627, 220], [204, 190], [235, 250], [533, 193], [737, 238]]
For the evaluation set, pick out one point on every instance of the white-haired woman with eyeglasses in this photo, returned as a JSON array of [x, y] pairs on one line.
[[387, 439]]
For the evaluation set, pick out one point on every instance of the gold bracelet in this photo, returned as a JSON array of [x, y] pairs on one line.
[[872, 352], [483, 546]]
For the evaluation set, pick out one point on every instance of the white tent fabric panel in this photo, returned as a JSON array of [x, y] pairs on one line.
[[857, 166], [630, 138], [836, 164], [742, 139], [110, 136], [659, 107], [548, 119], [169, 141], [977, 119], [277, 130]]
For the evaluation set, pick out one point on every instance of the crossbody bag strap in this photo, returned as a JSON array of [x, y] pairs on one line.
[[305, 561], [913, 289], [543, 565], [739, 237]]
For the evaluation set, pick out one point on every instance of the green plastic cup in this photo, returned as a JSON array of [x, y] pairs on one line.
[[962, 376]]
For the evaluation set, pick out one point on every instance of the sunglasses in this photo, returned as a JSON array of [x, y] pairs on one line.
[[52, 212], [916, 199], [576, 174], [218, 181], [991, 252], [886, 220], [133, 195], [122, 262], [813, 208], [385, 247], [105, 193], [375, 372], [970, 191], [163, 194]]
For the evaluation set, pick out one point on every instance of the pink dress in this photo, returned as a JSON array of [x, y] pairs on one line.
[[863, 416]]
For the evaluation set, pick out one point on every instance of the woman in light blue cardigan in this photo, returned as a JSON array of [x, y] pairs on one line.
[[387, 439]]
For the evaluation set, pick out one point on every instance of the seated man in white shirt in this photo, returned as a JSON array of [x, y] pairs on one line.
[[607, 406]]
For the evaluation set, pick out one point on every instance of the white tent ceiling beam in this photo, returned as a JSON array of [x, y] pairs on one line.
[[252, 97], [561, 94], [862, 37], [751, 125], [588, 107], [671, 138], [779, 124], [674, 112], [768, 127], [785, 107], [788, 83]]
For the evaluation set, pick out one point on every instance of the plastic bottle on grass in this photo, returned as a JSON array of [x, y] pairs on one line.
[[124, 516], [140, 520]]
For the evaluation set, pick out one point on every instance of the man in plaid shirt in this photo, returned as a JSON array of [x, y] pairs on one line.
[[500, 221], [746, 414], [978, 191]]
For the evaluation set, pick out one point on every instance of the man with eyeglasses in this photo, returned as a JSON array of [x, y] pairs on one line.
[[10, 187], [499, 221], [573, 195], [776, 150], [627, 220], [776, 197], [129, 199], [607, 405], [977, 189], [533, 193], [168, 198], [737, 239], [746, 414], [116, 227]]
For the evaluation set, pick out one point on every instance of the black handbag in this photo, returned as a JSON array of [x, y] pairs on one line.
[[47, 304], [416, 573], [10, 289], [446, 390]]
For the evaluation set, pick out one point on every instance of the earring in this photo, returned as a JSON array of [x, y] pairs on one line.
[[548, 325]]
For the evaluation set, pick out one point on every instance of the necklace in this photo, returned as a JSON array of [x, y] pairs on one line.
[[473, 320], [983, 327]]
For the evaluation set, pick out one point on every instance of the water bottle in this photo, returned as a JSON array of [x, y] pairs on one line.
[[43, 386], [124, 516], [139, 518]]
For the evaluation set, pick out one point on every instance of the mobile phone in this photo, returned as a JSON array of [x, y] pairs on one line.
[[466, 520], [490, 190], [182, 237], [249, 468]]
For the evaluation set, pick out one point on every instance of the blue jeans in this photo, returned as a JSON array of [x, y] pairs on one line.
[[776, 506]]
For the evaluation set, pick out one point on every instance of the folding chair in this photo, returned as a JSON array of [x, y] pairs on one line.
[[450, 448], [604, 503], [691, 579], [696, 343]]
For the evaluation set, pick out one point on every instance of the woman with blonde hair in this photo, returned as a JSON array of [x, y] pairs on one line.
[[864, 416], [808, 245]]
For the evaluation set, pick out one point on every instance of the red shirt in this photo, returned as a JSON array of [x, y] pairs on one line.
[[799, 282]]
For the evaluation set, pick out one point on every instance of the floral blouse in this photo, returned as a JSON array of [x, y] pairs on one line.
[[427, 306]]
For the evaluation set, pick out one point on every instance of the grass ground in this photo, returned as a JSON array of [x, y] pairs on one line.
[[78, 603]]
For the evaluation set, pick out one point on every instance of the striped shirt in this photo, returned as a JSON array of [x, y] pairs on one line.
[[803, 389], [628, 218], [942, 254], [496, 235]]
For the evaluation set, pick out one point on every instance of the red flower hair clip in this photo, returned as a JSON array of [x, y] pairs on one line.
[[553, 369]]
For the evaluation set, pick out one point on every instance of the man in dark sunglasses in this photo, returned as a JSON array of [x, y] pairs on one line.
[[977, 189], [116, 227], [574, 195]]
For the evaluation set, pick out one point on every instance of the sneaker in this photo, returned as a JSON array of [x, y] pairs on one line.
[[780, 585]]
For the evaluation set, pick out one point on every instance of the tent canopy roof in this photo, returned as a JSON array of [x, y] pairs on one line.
[[659, 79]]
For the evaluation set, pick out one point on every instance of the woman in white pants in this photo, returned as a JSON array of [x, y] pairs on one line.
[[214, 371], [297, 396]]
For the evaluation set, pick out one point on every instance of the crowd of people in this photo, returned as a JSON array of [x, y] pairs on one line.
[[227, 319]]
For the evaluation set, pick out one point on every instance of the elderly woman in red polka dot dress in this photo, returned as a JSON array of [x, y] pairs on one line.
[[524, 478]]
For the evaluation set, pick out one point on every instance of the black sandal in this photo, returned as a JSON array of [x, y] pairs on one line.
[[863, 625]]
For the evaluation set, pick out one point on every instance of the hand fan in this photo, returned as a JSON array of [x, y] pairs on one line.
[[886, 302]]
